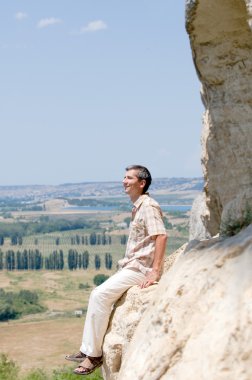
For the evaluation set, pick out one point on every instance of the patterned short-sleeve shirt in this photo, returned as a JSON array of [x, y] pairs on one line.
[[147, 223]]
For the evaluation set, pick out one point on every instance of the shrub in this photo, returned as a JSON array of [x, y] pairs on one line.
[[28, 296], [10, 371], [8, 368], [99, 279], [167, 224], [182, 228], [8, 312], [84, 286], [14, 305]]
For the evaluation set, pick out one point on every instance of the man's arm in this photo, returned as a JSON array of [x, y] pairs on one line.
[[155, 272]]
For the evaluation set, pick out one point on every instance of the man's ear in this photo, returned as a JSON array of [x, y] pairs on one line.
[[143, 183]]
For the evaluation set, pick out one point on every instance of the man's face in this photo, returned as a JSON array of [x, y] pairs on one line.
[[132, 185]]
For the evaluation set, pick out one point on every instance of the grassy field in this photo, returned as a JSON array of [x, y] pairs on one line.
[[41, 344], [59, 291], [42, 340]]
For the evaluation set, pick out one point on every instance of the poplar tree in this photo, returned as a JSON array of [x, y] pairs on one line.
[[108, 261], [103, 239], [19, 261], [61, 266], [1, 260], [14, 240], [77, 238], [25, 260], [92, 238], [97, 262], [123, 239], [85, 260]]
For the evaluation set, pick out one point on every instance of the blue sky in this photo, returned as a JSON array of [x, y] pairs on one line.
[[91, 86]]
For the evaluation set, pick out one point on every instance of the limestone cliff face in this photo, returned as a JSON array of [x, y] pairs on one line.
[[198, 212], [195, 324], [221, 41]]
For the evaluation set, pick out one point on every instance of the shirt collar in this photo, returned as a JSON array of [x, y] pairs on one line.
[[140, 200]]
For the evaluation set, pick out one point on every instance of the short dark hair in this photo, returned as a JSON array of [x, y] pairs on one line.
[[143, 173]]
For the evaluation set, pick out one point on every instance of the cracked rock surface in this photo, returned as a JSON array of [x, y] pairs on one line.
[[220, 33], [198, 321]]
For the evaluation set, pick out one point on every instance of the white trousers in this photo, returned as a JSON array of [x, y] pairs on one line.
[[100, 305]]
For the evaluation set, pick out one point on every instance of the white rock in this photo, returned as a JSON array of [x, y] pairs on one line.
[[197, 229], [221, 40], [198, 325]]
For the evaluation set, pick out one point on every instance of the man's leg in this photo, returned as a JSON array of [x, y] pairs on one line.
[[100, 306]]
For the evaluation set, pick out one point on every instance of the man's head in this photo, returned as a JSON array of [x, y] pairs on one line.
[[142, 173], [136, 181]]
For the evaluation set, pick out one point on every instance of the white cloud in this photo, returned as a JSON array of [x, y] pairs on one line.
[[94, 26], [45, 22], [20, 16]]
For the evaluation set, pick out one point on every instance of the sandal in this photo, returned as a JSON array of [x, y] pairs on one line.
[[78, 357], [88, 365]]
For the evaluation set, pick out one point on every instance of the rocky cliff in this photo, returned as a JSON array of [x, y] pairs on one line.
[[197, 322], [221, 40]]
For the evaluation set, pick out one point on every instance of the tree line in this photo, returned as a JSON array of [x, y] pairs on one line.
[[78, 260], [91, 239], [44, 225], [34, 260], [21, 260]]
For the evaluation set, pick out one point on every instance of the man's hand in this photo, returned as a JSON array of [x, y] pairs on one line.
[[151, 278]]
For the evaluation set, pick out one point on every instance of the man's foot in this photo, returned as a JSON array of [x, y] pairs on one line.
[[78, 357], [88, 365]]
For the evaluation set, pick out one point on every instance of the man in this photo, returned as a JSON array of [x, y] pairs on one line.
[[142, 265]]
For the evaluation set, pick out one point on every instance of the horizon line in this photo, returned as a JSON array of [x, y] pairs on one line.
[[98, 181]]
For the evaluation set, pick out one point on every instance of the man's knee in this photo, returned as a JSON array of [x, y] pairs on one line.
[[97, 294]]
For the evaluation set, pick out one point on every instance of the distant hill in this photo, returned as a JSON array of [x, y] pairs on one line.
[[94, 189]]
